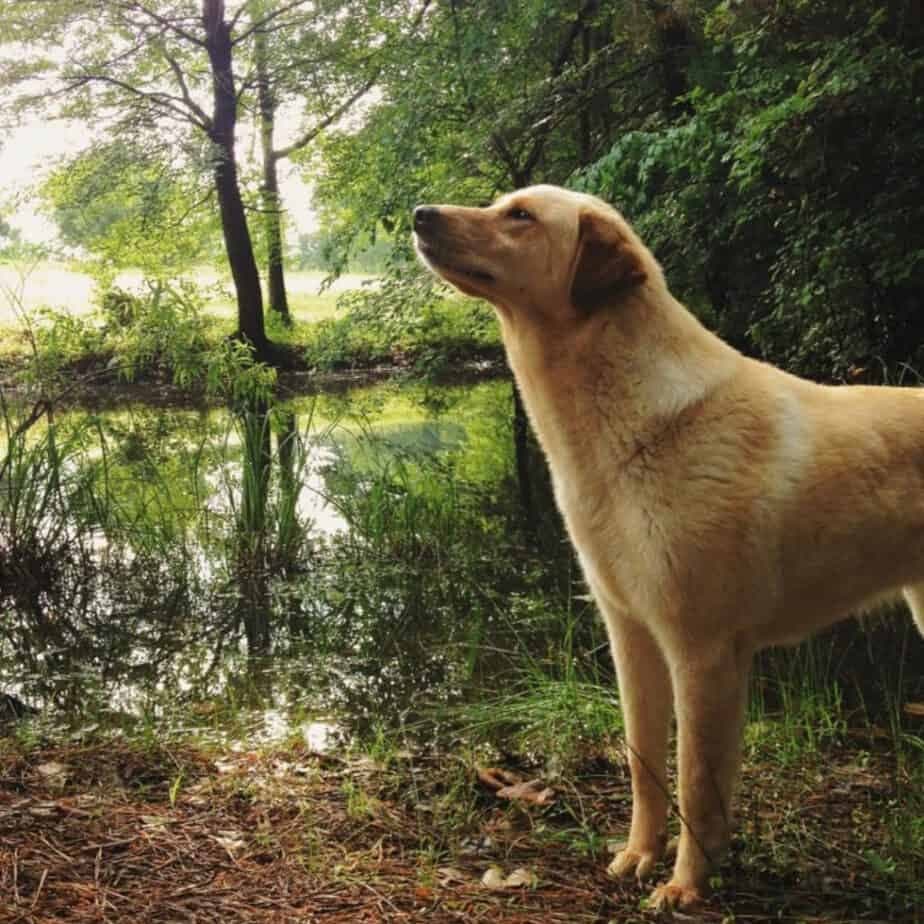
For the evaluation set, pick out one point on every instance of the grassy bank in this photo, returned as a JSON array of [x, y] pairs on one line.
[[163, 336]]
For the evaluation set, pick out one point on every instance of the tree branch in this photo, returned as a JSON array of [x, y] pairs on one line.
[[166, 102], [261, 24], [163, 21], [201, 115], [326, 122], [561, 59]]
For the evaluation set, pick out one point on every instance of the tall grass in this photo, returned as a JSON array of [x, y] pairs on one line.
[[41, 487], [110, 555], [796, 699]]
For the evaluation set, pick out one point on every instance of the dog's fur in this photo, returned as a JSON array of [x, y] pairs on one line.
[[717, 504]]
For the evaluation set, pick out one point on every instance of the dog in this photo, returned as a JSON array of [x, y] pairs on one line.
[[717, 504]]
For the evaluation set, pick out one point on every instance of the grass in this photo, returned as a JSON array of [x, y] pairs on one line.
[[32, 286], [831, 803], [306, 307], [558, 699]]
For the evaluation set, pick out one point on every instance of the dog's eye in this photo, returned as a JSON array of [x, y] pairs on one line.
[[519, 214]]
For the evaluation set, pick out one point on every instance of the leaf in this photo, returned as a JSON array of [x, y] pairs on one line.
[[915, 709], [521, 877], [508, 785], [53, 772], [533, 791], [885, 866], [495, 880], [497, 778], [45, 809], [155, 821], [447, 875], [232, 841]]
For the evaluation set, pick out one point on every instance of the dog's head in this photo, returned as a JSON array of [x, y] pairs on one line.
[[544, 251]]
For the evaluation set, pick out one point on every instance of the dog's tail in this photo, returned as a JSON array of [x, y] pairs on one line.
[[914, 596]]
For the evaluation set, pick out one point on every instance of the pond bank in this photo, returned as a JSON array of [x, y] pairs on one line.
[[109, 390], [174, 339]]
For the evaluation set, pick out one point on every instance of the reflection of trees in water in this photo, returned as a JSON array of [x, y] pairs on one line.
[[103, 628], [109, 587], [118, 582], [268, 534], [183, 568], [168, 560], [251, 563]]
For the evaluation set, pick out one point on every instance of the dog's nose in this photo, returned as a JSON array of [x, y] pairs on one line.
[[425, 216]]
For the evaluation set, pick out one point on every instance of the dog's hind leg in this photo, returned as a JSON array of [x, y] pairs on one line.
[[645, 696], [914, 597]]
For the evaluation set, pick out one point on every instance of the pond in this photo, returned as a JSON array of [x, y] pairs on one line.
[[356, 560], [351, 563]]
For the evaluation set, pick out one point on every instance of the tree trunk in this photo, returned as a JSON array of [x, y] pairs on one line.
[[675, 39], [272, 208], [584, 128], [288, 532], [238, 243]]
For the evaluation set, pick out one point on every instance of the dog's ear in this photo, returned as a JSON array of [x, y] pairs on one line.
[[606, 262]]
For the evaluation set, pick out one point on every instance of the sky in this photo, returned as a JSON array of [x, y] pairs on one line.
[[27, 154], [24, 159]]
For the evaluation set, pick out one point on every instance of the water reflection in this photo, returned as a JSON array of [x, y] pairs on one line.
[[338, 555]]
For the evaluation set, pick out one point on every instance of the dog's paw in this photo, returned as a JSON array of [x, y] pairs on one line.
[[673, 897], [629, 861]]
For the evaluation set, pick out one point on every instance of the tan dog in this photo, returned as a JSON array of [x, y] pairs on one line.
[[718, 505]]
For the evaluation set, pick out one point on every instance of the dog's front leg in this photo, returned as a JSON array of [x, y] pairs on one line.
[[710, 686], [645, 696]]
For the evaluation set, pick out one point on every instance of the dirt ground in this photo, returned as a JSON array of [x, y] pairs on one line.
[[111, 832]]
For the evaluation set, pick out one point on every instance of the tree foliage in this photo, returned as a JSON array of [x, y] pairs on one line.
[[770, 153], [126, 206], [787, 201], [171, 79]]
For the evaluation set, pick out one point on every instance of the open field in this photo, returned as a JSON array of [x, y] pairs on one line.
[[56, 285]]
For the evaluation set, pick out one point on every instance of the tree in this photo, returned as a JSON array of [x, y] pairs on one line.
[[488, 96], [142, 71], [163, 74], [319, 75], [9, 236], [278, 75], [785, 197]]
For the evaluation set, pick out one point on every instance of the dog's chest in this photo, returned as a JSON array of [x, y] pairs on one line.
[[621, 538]]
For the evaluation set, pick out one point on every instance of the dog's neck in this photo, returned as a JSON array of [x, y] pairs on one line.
[[613, 384]]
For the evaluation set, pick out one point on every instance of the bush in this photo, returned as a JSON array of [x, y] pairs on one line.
[[162, 332]]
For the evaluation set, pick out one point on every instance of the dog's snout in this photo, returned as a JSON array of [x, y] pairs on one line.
[[425, 217]]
